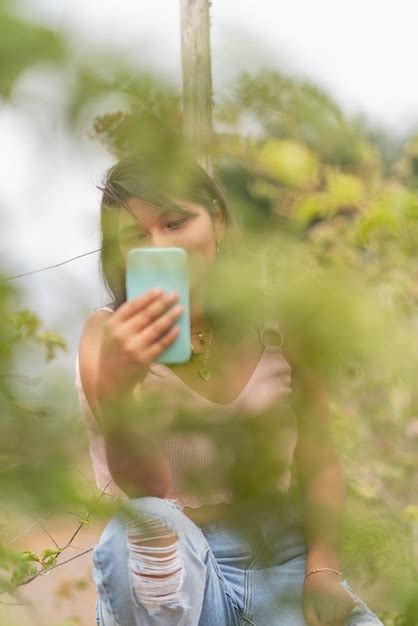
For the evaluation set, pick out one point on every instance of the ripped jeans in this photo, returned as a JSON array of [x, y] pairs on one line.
[[156, 567]]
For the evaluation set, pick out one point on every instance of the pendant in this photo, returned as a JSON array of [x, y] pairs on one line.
[[204, 373]]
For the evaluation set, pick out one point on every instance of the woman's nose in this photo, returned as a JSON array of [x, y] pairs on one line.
[[159, 241]]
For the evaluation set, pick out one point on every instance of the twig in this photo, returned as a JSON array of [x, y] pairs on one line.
[[42, 269], [47, 532], [43, 572], [86, 518], [7, 394], [86, 478], [25, 531]]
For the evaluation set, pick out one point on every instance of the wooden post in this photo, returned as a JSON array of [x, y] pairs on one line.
[[197, 78]]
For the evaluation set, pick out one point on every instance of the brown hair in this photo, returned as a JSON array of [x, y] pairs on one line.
[[136, 177]]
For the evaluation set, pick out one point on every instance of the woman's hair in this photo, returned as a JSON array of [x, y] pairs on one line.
[[155, 183]]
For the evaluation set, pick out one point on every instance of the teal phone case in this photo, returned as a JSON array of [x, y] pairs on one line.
[[168, 268]]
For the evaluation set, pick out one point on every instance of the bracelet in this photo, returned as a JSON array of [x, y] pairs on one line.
[[327, 569]]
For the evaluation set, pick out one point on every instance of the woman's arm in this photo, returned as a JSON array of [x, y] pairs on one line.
[[134, 467], [318, 468]]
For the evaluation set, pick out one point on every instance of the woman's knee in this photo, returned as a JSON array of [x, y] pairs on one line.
[[170, 513], [158, 541], [152, 504]]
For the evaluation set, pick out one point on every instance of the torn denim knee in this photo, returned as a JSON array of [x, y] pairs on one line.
[[155, 562]]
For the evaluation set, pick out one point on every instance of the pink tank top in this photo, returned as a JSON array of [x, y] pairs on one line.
[[268, 388]]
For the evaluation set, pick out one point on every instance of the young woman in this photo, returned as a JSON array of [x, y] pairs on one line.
[[175, 558]]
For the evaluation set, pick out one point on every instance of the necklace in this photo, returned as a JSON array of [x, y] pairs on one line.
[[200, 334], [204, 371]]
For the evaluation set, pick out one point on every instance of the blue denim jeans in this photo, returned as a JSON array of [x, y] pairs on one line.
[[210, 575]]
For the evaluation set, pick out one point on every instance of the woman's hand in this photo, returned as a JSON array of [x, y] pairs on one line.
[[325, 601], [132, 338]]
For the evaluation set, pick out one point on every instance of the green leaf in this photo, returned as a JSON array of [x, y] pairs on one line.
[[21, 574], [52, 341], [49, 557], [29, 556]]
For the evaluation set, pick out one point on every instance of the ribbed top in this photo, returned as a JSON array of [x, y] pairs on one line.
[[266, 392]]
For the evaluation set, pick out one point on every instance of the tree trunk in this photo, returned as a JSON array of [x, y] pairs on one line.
[[197, 78]]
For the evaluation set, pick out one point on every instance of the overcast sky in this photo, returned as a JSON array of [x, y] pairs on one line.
[[365, 52]]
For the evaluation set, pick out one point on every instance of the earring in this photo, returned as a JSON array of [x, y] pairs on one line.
[[218, 239]]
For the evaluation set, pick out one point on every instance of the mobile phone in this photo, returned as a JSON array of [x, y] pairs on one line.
[[167, 268]]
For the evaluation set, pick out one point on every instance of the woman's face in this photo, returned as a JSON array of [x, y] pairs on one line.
[[156, 228]]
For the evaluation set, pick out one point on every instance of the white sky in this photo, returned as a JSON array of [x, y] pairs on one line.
[[364, 51]]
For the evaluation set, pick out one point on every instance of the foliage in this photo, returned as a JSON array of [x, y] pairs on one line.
[[335, 224], [24, 44]]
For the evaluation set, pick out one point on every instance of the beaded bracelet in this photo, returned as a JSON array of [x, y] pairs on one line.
[[320, 569]]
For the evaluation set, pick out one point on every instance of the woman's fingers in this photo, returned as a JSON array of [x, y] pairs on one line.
[[131, 307], [143, 327], [149, 313], [154, 331], [163, 342]]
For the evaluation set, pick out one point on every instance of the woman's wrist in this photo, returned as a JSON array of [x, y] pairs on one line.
[[322, 556], [115, 406], [110, 391], [324, 570]]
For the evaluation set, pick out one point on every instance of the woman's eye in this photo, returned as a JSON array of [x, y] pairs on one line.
[[137, 237], [178, 223]]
